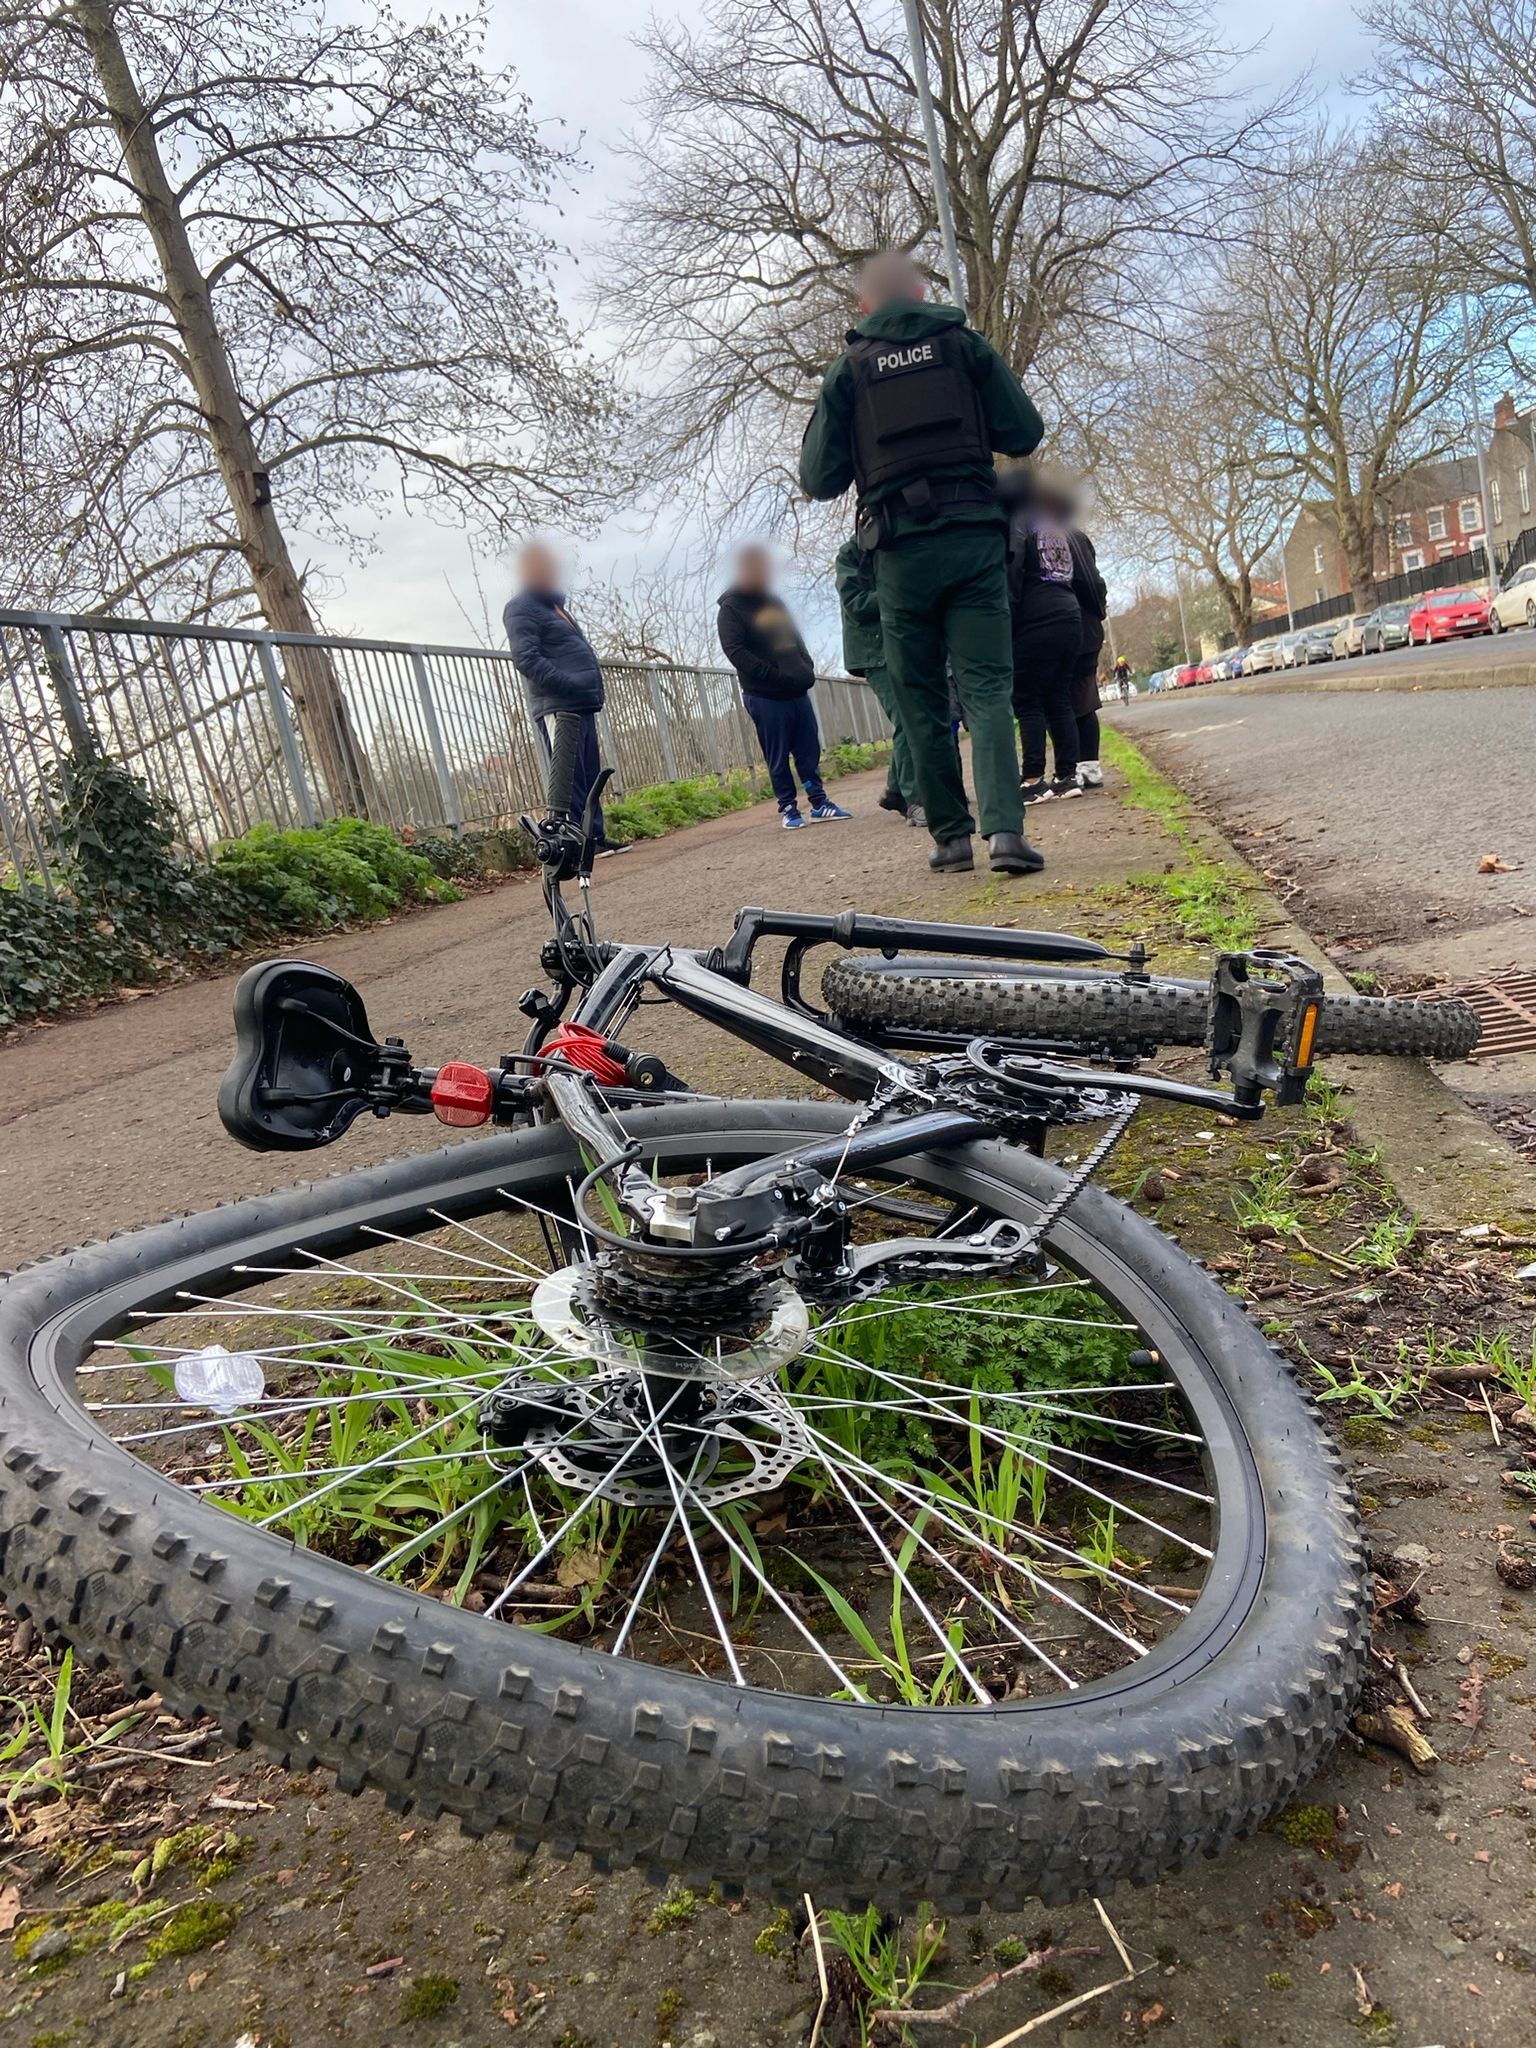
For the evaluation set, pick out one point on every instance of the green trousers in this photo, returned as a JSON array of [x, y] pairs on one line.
[[899, 775], [944, 594]]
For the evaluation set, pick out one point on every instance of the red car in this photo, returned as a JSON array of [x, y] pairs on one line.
[[1189, 674], [1448, 615]]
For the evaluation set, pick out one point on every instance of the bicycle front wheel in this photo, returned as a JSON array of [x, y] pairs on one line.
[[969, 1593], [1115, 1014]]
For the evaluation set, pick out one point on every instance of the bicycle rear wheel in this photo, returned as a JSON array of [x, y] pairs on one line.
[[1014, 1590], [1111, 1012]]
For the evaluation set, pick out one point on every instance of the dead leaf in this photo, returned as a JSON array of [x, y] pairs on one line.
[[1469, 1710], [10, 1908], [579, 1568], [1494, 864]]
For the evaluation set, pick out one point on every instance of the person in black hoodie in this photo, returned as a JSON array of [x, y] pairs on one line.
[[774, 667]]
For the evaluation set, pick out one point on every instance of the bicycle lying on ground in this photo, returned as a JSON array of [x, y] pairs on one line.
[[820, 1494]]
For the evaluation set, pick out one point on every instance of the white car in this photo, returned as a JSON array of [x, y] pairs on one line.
[[1515, 604], [1263, 656], [1347, 640]]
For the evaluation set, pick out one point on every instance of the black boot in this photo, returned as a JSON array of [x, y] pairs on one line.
[[952, 856], [1012, 854], [891, 800]]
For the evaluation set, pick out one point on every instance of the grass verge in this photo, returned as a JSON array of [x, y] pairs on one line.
[[1213, 902]]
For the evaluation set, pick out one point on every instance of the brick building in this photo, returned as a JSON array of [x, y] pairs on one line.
[[1433, 512], [1511, 473]]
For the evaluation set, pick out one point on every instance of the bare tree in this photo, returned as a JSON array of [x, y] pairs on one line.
[[1462, 87], [262, 268], [782, 145], [666, 614], [1189, 475], [1342, 332]]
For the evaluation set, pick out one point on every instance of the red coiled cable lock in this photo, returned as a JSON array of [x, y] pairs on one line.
[[578, 1045]]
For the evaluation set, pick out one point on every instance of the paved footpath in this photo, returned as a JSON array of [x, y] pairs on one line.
[[107, 1118]]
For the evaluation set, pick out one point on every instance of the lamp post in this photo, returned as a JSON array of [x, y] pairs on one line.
[[935, 154], [1477, 441], [1178, 591]]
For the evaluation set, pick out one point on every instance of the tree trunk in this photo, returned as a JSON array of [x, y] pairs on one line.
[[311, 677], [1357, 537]]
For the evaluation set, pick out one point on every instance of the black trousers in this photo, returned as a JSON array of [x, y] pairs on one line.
[[1046, 652], [787, 733], [586, 766]]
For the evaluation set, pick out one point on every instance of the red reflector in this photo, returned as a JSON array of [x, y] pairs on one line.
[[462, 1094]]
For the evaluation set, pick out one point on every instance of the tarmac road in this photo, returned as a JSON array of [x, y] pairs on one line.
[[1379, 804]]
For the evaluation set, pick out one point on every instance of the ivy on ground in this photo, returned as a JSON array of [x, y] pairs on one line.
[[130, 907]]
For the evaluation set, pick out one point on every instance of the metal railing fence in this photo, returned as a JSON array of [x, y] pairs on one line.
[[235, 727]]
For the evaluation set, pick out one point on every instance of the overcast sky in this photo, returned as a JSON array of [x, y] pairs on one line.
[[582, 74]]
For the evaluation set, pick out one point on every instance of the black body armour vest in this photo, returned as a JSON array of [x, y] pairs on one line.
[[916, 409]]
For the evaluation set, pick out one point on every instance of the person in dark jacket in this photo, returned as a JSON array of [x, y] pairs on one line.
[[1093, 597], [773, 665], [1047, 634], [564, 684]]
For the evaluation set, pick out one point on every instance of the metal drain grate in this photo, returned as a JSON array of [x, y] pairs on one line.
[[1506, 1004]]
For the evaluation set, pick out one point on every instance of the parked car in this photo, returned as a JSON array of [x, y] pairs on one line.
[[1515, 604], [1263, 656], [1313, 644], [1346, 640], [1186, 675], [1447, 615], [1235, 661], [1387, 627], [1290, 644]]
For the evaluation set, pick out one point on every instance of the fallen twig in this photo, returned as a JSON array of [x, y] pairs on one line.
[[1083, 1997], [821, 1971], [1493, 1420], [1395, 1728], [946, 2015]]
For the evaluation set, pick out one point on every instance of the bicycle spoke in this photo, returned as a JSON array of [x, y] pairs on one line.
[[970, 1587], [970, 1536], [688, 1536]]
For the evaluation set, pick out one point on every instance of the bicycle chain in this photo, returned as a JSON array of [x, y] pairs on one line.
[[1058, 1206]]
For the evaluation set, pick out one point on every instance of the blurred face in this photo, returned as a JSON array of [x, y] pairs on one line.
[[890, 276], [754, 570], [538, 568]]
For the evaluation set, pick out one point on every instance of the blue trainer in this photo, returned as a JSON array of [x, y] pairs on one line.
[[791, 819], [826, 809]]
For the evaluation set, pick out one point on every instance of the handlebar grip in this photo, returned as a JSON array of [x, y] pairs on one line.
[[563, 752]]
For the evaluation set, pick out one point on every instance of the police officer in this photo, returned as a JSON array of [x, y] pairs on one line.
[[911, 415], [864, 655]]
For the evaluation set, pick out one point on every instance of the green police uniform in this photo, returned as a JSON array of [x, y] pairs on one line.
[[941, 566], [864, 655]]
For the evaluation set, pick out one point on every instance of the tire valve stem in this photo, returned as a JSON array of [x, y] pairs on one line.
[[1144, 1360]]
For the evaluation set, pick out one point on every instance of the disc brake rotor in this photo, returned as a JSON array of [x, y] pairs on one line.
[[736, 1441]]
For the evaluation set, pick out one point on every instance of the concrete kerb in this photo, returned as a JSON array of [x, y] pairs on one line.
[[1448, 1166], [1339, 676]]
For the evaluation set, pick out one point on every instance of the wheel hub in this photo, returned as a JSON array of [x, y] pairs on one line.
[[694, 1328]]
